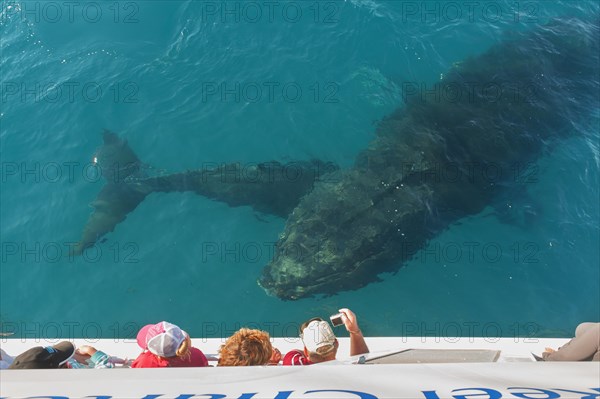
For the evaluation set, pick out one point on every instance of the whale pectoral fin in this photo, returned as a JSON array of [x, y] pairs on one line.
[[111, 207]]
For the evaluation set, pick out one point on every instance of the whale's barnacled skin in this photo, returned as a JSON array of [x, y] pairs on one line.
[[269, 187], [424, 169]]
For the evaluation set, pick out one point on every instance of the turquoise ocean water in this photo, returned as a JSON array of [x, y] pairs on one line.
[[196, 83]]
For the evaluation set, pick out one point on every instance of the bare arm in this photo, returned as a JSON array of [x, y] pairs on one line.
[[582, 347], [358, 345]]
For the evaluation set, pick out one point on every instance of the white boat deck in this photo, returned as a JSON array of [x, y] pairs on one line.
[[513, 374]]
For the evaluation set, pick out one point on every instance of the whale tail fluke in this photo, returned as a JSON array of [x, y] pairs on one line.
[[117, 164]]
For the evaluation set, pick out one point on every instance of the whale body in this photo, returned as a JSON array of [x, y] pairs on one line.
[[427, 166]]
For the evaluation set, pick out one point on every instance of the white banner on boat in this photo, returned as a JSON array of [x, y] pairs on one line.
[[410, 381]]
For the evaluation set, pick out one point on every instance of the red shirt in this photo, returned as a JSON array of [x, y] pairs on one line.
[[150, 360], [296, 358]]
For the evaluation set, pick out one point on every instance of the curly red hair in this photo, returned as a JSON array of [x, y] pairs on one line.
[[246, 348]]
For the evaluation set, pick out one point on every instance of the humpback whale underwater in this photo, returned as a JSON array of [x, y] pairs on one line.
[[345, 227]]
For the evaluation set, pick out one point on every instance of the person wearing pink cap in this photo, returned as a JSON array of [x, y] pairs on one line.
[[166, 345], [320, 343]]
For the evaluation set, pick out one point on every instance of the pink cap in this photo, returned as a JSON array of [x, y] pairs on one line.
[[162, 339]]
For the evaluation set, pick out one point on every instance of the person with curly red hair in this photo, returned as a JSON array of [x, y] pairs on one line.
[[248, 348]]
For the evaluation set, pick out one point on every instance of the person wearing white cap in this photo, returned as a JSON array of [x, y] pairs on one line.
[[320, 343]]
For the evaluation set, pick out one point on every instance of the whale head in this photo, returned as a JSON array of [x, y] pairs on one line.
[[341, 237]]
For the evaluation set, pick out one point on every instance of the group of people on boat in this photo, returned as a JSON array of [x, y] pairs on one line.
[[166, 345]]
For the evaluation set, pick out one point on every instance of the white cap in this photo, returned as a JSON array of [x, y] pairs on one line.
[[317, 334]]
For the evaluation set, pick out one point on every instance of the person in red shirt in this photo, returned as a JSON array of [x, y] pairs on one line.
[[320, 343], [166, 345]]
